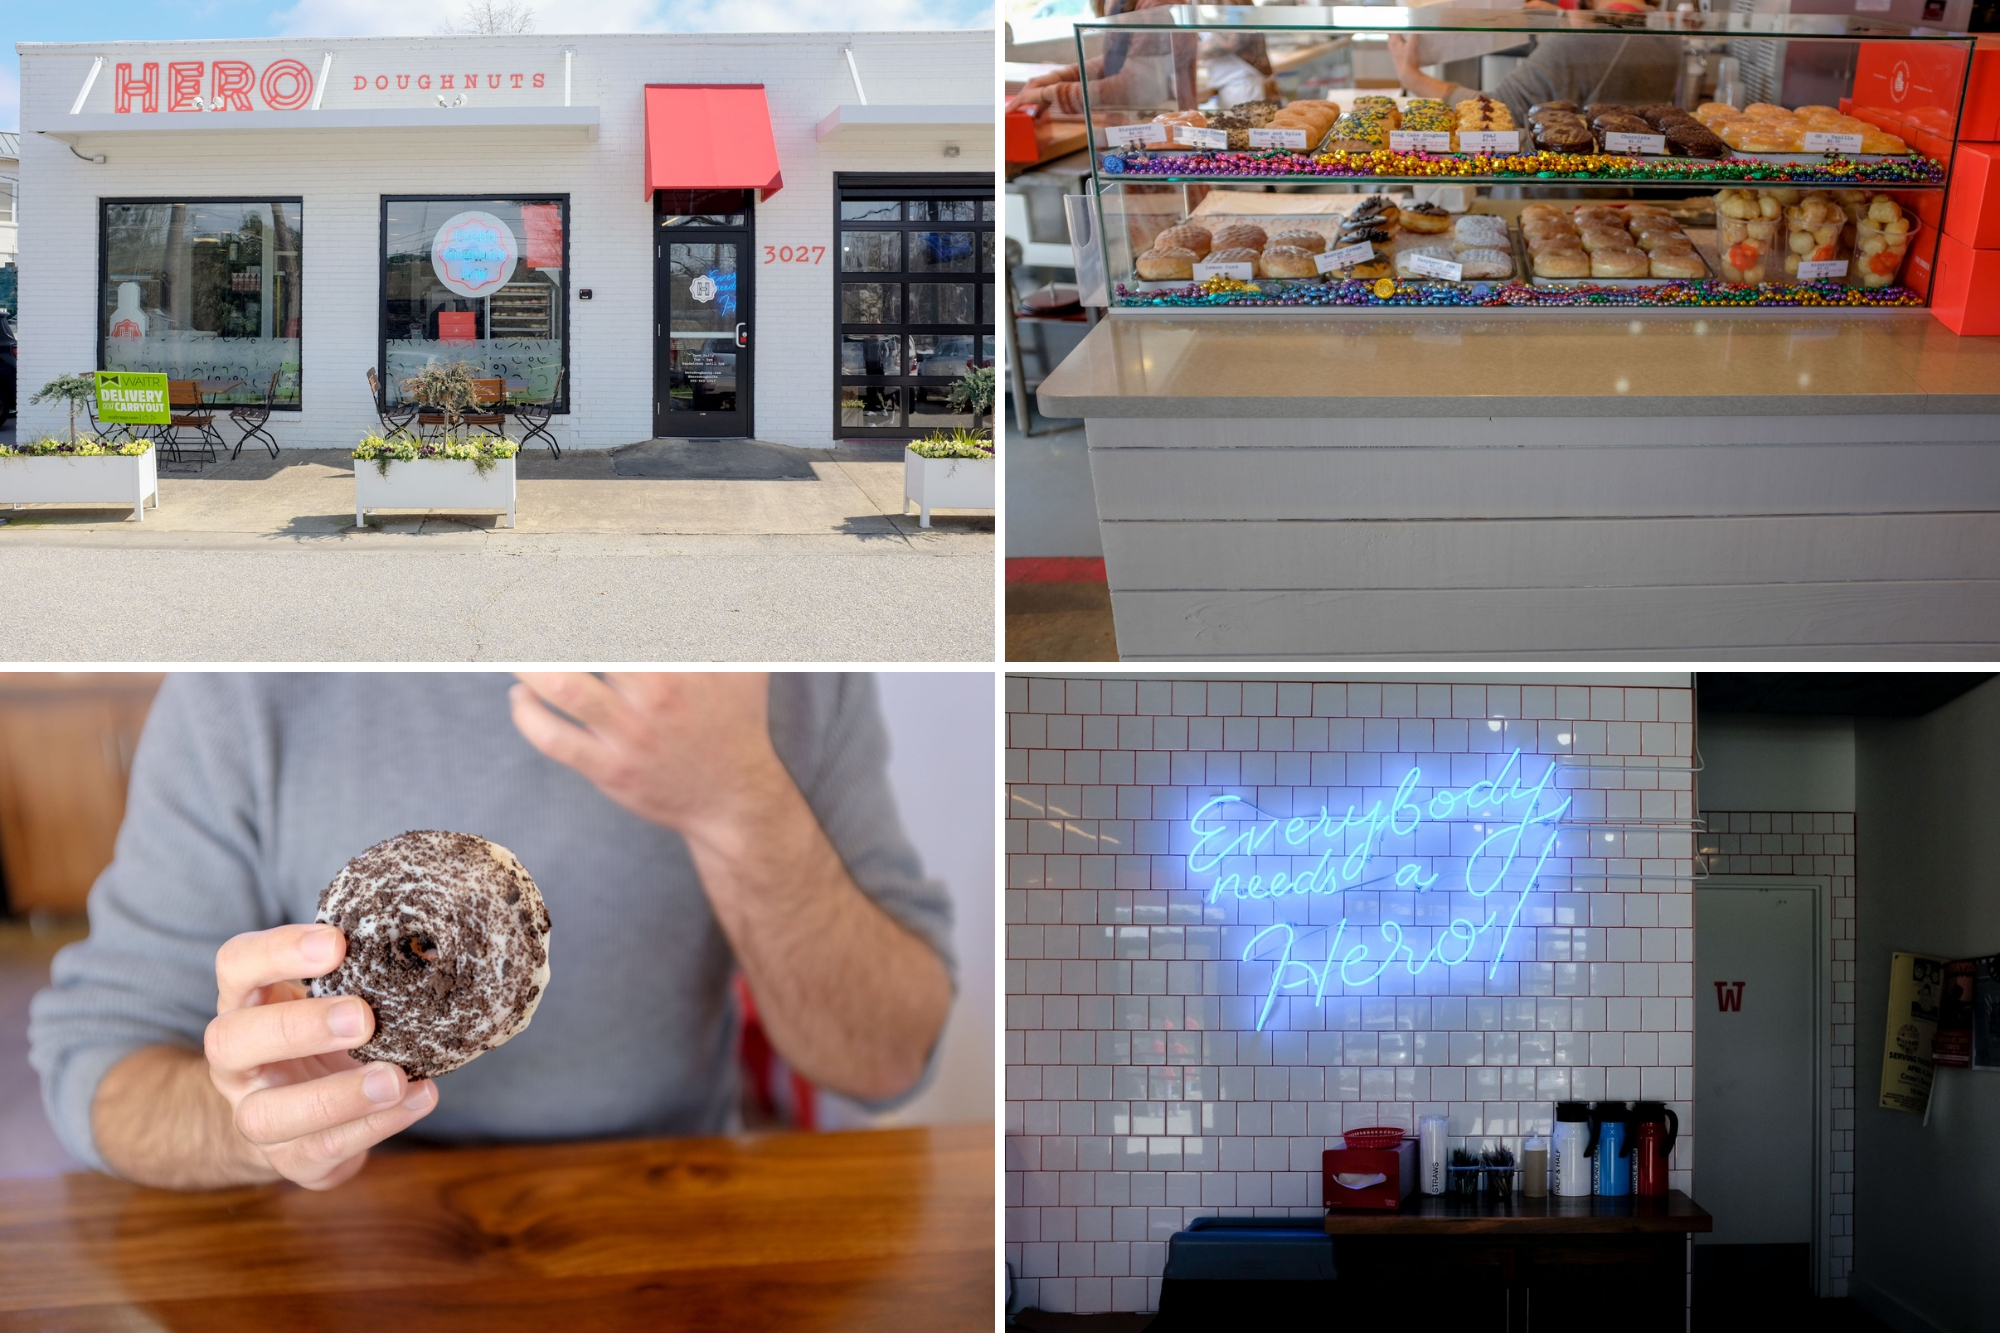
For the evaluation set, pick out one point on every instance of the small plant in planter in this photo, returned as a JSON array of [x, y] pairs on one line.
[[75, 390], [949, 470], [973, 392], [482, 451], [87, 447], [85, 471], [446, 387]]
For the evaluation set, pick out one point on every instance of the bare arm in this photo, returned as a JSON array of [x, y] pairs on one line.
[[273, 1094], [852, 999]]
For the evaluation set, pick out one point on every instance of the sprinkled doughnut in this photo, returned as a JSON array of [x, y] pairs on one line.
[[448, 942]]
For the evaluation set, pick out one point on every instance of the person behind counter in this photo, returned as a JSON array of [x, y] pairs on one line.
[[682, 827], [1130, 73], [1563, 67]]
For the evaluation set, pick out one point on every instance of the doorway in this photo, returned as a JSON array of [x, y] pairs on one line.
[[1760, 1112], [703, 357]]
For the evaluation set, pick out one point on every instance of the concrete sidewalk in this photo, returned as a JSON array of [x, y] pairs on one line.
[[660, 551]]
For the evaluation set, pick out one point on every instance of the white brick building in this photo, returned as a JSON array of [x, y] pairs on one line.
[[257, 201]]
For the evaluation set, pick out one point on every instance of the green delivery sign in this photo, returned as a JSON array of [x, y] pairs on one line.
[[132, 398]]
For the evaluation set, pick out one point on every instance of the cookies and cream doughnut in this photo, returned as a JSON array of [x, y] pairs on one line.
[[447, 941], [1424, 217], [1166, 265], [1187, 236]]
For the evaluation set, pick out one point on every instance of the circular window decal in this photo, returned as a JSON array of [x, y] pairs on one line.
[[702, 288], [474, 253]]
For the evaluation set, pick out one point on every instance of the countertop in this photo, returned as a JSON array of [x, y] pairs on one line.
[[1523, 363], [1592, 1215], [886, 1229]]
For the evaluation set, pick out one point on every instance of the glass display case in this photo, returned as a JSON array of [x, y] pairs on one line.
[[1619, 157]]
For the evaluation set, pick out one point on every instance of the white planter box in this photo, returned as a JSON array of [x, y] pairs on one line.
[[64, 479], [433, 483], [946, 483]]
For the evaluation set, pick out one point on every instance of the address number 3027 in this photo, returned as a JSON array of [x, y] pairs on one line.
[[794, 254]]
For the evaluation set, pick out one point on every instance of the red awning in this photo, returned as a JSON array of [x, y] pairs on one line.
[[710, 136]]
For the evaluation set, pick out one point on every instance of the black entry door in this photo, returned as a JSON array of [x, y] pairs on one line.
[[703, 350]]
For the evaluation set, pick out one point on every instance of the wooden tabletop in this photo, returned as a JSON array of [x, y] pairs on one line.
[[880, 1229], [1457, 1215]]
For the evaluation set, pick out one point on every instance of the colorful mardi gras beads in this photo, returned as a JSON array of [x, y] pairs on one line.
[[1388, 163], [1709, 293]]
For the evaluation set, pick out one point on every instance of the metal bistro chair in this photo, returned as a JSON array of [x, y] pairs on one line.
[[535, 418], [111, 432], [395, 420], [489, 411], [252, 418], [187, 394]]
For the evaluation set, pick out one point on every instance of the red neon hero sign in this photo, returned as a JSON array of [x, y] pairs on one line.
[[282, 85]]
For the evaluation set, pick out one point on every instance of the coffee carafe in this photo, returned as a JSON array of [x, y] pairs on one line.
[[1569, 1144], [1655, 1128], [1611, 1148]]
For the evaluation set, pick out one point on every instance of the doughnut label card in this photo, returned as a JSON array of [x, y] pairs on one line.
[[1347, 256], [1278, 139], [1240, 272], [1420, 141], [1198, 138], [1120, 136], [1430, 267], [1832, 143], [1489, 141], [1643, 144], [1810, 270]]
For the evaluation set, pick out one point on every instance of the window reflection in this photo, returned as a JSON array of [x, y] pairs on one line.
[[871, 251], [942, 251], [871, 354], [871, 405], [204, 290], [870, 210], [871, 303], [942, 303]]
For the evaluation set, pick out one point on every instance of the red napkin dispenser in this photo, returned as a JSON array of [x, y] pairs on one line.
[[1368, 1177]]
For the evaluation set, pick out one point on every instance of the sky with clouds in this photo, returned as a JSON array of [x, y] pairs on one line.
[[21, 21]]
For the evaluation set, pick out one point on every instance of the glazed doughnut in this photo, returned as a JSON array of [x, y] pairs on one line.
[[1287, 261], [1187, 236], [1166, 265], [447, 941], [1678, 264], [1618, 264], [1309, 241], [1567, 263]]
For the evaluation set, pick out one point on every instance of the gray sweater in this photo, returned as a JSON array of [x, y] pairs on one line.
[[249, 792], [1587, 67]]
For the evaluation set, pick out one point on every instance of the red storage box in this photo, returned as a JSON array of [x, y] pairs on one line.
[[1974, 213], [1376, 1177], [1965, 288], [1981, 117], [1021, 145]]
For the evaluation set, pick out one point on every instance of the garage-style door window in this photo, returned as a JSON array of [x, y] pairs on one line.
[[202, 289], [913, 300]]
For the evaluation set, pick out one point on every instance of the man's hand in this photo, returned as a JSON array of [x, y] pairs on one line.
[[302, 1105], [690, 751], [275, 1097], [851, 998]]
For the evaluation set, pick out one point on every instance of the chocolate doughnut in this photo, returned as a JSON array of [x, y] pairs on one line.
[[448, 942]]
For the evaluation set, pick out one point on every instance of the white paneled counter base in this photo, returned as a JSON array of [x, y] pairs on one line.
[[1323, 487]]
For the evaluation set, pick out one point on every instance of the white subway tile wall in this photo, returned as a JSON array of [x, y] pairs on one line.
[[1140, 1092], [1818, 843]]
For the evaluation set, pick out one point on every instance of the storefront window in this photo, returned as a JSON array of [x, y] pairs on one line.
[[203, 289], [478, 280], [913, 313]]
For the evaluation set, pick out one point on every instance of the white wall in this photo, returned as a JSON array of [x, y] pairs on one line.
[[1927, 1196], [1758, 761], [342, 174], [941, 767], [1142, 1090]]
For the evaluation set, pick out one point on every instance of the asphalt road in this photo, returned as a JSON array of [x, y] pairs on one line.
[[221, 597]]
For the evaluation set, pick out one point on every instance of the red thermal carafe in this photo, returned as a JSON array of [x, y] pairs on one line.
[[1654, 1129]]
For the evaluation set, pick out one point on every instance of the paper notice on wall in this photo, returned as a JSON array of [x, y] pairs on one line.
[[1916, 983], [1986, 1012], [1951, 1044]]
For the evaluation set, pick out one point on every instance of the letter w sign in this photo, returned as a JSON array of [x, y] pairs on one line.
[[1729, 996]]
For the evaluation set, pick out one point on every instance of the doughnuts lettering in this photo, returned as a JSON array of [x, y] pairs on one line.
[[447, 941]]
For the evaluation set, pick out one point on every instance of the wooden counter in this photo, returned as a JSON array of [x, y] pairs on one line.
[[883, 1230], [1521, 484], [1456, 1215]]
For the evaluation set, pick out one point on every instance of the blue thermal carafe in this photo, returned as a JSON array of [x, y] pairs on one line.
[[1610, 1148]]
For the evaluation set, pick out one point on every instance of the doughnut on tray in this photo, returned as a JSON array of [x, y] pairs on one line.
[[1524, 262]]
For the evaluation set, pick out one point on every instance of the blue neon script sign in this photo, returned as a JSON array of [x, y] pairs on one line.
[[1519, 825]]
